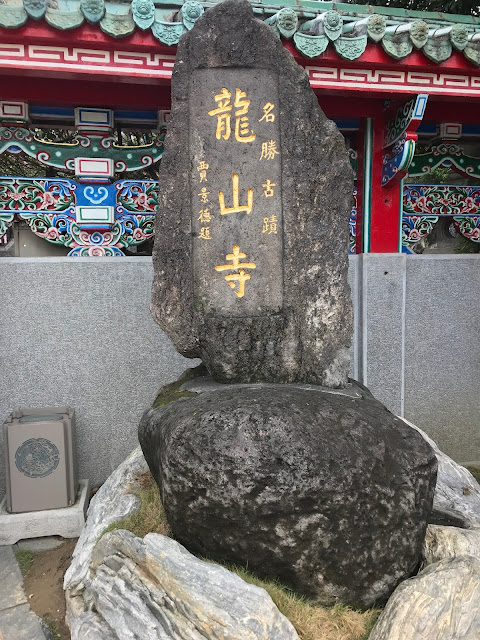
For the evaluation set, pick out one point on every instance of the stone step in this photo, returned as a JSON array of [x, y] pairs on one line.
[[17, 622]]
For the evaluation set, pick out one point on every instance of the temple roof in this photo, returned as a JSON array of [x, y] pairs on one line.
[[312, 26]]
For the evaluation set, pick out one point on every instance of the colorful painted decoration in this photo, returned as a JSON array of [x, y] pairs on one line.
[[445, 154], [353, 225], [469, 227], [440, 200], [62, 156], [412, 111], [49, 207], [397, 160], [415, 228]]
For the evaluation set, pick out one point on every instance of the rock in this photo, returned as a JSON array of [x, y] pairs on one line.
[[457, 494], [326, 491], [90, 626], [287, 318], [156, 590], [441, 603], [444, 543], [111, 503]]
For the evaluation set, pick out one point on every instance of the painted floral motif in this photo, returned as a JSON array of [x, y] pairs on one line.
[[441, 200], [353, 225], [23, 194], [414, 228], [138, 196], [447, 154], [469, 227]]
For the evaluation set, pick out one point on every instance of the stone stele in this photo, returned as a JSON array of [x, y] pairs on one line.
[[251, 246]]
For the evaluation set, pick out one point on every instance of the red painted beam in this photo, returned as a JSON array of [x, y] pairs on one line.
[[86, 93]]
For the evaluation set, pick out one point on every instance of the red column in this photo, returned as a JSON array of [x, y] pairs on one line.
[[385, 201]]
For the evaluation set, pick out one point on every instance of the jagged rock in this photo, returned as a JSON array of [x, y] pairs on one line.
[[442, 543], [112, 502], [294, 320], [457, 494], [90, 626], [156, 590], [441, 603], [326, 491]]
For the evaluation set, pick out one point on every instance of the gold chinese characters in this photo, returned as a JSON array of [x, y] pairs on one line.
[[236, 208], [241, 277], [224, 116]]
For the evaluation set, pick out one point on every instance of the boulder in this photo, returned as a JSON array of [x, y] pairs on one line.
[[287, 315], [154, 589], [326, 491], [443, 543], [112, 502], [457, 494], [441, 603]]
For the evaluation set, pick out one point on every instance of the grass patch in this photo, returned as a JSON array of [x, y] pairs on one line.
[[311, 621], [171, 392], [475, 471], [150, 516], [51, 627], [25, 560]]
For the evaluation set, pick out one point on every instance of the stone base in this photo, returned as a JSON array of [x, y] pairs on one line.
[[67, 522], [322, 489]]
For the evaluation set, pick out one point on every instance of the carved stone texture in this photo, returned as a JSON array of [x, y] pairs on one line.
[[155, 589], [446, 543], [323, 489], [441, 603], [245, 121]]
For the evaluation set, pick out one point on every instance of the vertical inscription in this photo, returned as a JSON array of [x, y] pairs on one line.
[[236, 191]]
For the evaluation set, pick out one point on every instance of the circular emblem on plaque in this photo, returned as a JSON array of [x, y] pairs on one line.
[[37, 458]]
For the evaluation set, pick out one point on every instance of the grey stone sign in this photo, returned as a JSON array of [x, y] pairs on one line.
[[251, 241], [236, 192]]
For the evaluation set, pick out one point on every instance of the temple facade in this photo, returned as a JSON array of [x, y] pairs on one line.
[[86, 95]]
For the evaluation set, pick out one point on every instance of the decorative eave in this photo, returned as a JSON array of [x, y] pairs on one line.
[[312, 26]]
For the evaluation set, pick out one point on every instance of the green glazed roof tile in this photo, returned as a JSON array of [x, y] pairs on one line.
[[120, 18]]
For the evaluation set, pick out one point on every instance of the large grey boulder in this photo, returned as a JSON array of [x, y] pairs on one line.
[[443, 543], [154, 589], [294, 320], [457, 494], [441, 603], [326, 491]]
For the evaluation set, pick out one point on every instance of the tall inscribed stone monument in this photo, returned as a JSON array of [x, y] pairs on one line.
[[296, 472], [251, 243]]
